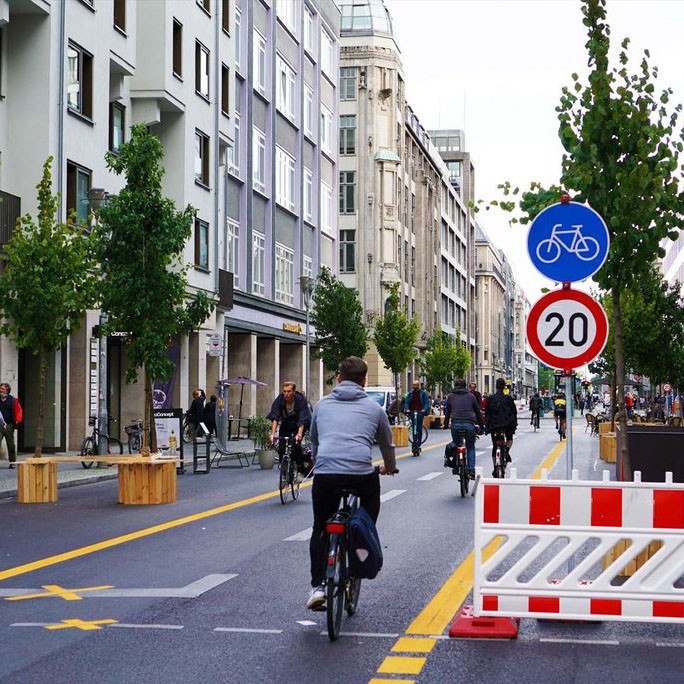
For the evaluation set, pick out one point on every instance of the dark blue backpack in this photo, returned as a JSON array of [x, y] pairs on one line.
[[365, 554]]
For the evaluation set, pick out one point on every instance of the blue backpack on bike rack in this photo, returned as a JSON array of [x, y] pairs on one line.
[[365, 553]]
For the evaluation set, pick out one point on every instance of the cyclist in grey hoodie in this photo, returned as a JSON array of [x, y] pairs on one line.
[[343, 428]]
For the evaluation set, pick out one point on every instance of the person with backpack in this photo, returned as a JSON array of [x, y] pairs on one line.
[[501, 415], [344, 426], [12, 415], [463, 408]]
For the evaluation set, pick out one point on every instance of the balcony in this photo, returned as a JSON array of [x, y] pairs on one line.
[[10, 211]]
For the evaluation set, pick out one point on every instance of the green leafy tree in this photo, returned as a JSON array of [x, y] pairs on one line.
[[47, 285], [445, 360], [622, 145], [337, 316], [395, 336], [140, 241]]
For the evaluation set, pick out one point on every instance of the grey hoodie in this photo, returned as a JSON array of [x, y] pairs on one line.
[[343, 428]]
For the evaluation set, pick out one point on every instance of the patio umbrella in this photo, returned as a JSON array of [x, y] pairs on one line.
[[242, 381]]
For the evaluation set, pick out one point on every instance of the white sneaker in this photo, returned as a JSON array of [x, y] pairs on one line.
[[316, 598]]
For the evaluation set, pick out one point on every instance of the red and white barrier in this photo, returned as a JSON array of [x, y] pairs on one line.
[[555, 535]]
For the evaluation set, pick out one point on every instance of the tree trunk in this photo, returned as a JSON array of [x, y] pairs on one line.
[[613, 399], [150, 426], [42, 367], [620, 384]]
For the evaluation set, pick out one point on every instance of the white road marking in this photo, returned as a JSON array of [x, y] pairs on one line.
[[304, 535], [430, 476], [672, 644], [306, 623], [128, 626], [366, 634], [246, 630], [31, 624], [597, 642], [391, 494]]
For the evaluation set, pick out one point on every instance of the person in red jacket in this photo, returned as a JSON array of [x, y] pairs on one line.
[[12, 413]]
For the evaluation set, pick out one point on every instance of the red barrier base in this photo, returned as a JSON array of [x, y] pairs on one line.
[[467, 626]]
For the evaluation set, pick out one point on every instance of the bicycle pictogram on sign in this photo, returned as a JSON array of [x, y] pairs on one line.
[[571, 240]]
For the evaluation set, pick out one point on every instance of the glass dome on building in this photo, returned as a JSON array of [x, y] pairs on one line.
[[365, 17]]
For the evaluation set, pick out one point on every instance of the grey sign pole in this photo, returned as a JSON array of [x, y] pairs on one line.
[[569, 408]]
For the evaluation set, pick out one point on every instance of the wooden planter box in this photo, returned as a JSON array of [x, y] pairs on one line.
[[634, 565], [400, 435], [603, 427], [608, 447]]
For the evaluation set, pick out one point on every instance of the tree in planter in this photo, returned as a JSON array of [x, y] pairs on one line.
[[395, 336], [47, 285], [337, 316], [622, 145], [140, 241], [445, 360]]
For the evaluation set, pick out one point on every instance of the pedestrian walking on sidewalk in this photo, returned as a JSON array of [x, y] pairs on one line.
[[12, 415]]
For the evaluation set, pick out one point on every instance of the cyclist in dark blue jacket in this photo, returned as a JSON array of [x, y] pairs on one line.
[[464, 411]]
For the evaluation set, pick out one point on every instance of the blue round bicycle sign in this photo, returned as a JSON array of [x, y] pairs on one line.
[[568, 242]]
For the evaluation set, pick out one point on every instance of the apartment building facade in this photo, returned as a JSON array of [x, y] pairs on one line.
[[282, 187], [75, 75]]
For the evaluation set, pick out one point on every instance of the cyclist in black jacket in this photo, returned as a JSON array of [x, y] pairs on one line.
[[501, 415], [463, 409], [535, 408]]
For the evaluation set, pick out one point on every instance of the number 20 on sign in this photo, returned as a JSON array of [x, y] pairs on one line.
[[567, 328]]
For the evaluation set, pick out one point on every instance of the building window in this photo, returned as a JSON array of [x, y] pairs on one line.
[[286, 10], [80, 81], [285, 179], [231, 249], [347, 192], [308, 30], [258, 264], [258, 160], [117, 123], [327, 54], [308, 195], [177, 48], [308, 110], [326, 208], [238, 37], [307, 267], [284, 273], [348, 134], [120, 15], [201, 70], [348, 83], [225, 16], [78, 185], [205, 5], [201, 158], [225, 90], [201, 244], [235, 150], [347, 251], [285, 92], [326, 130], [259, 75]]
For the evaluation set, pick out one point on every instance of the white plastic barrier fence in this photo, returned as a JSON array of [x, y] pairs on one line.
[[555, 536]]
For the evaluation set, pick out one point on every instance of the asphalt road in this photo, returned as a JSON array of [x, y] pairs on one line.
[[213, 588]]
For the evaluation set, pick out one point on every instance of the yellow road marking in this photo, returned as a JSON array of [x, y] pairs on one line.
[[84, 625], [380, 680], [410, 645], [401, 665], [56, 590]]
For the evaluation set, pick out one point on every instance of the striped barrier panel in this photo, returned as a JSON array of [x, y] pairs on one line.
[[541, 548]]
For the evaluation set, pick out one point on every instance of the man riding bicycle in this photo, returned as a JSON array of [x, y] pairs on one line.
[[464, 410], [343, 428], [290, 410], [501, 416], [535, 409], [417, 401], [559, 411]]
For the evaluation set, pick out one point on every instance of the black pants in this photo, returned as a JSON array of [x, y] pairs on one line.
[[325, 505]]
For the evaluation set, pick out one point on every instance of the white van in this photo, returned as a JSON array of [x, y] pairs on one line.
[[383, 395]]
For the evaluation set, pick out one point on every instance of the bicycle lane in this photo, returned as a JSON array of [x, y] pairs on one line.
[[410, 651]]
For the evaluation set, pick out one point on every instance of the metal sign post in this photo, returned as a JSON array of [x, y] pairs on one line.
[[569, 408]]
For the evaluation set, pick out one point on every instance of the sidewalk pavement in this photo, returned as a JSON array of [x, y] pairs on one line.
[[73, 474]]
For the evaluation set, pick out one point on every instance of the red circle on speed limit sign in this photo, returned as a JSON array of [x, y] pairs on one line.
[[567, 328]]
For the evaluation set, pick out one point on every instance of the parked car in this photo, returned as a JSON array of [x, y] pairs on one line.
[[383, 395]]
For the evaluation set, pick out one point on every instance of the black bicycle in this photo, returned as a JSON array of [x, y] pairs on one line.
[[342, 589], [98, 444], [288, 480], [461, 468], [135, 435], [535, 420], [188, 429], [415, 439], [499, 454]]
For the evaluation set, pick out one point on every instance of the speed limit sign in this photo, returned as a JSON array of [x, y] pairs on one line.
[[567, 328]]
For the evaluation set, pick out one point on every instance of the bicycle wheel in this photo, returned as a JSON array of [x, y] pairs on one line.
[[283, 483], [335, 589], [114, 447], [589, 248], [548, 251], [88, 449], [295, 484], [463, 474], [187, 432], [353, 591]]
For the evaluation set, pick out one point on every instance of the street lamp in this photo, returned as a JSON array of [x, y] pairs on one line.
[[307, 285]]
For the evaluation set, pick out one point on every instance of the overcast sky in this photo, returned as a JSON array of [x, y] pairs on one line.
[[495, 68]]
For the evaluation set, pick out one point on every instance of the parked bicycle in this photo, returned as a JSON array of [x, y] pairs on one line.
[[499, 454], [98, 444], [415, 439], [188, 429], [342, 589], [135, 436]]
